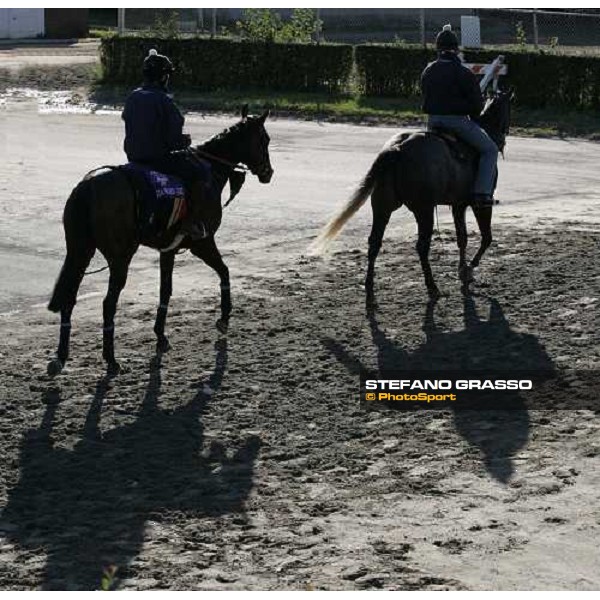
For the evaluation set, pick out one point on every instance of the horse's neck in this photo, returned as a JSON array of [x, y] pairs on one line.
[[488, 128], [219, 148], [490, 124]]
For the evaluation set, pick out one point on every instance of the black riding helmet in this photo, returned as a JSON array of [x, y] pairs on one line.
[[156, 66], [446, 39]]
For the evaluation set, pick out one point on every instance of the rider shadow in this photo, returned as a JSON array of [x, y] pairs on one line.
[[88, 507], [498, 434]]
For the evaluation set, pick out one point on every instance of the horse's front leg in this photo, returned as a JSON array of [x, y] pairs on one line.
[[167, 261], [207, 251]]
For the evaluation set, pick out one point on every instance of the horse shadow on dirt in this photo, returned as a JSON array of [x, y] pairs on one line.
[[87, 507], [491, 343]]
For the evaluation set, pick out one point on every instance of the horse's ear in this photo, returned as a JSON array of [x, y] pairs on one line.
[[264, 116], [244, 111]]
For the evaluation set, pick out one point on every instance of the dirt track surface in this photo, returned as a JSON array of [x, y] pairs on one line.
[[246, 462]]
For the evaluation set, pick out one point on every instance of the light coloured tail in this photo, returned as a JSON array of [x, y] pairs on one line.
[[358, 198]]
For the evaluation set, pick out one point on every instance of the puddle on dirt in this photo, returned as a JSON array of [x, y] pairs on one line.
[[55, 101]]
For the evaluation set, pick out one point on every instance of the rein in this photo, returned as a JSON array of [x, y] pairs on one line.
[[238, 169], [227, 163]]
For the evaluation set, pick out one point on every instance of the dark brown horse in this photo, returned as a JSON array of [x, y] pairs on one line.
[[421, 171], [101, 214]]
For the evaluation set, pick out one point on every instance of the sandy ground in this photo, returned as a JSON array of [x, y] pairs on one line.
[[247, 462]]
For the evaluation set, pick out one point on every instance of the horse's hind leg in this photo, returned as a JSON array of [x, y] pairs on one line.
[[483, 214], [167, 260], [464, 271], [381, 218], [116, 283], [207, 251], [64, 299], [425, 223]]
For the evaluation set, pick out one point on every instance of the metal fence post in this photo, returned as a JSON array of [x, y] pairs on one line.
[[422, 26], [536, 39], [318, 31], [121, 20], [199, 19], [213, 25]]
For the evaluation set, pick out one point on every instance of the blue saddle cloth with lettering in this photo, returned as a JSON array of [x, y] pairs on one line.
[[162, 200]]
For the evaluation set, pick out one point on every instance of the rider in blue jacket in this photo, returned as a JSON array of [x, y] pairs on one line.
[[154, 134], [452, 98]]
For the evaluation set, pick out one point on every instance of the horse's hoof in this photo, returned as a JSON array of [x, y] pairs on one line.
[[222, 326], [434, 293], [162, 345], [466, 274], [370, 303], [114, 368], [55, 366]]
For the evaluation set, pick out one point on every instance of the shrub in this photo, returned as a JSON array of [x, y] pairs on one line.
[[391, 70], [539, 79], [213, 64], [266, 25]]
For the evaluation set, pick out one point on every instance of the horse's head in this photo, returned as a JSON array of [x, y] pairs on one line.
[[253, 145], [495, 118]]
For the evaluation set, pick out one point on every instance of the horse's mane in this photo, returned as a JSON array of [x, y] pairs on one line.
[[224, 136], [494, 120]]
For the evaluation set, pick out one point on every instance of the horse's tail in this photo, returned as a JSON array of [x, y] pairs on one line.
[[80, 247], [357, 199]]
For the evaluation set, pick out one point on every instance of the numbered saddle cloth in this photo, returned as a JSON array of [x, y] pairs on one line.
[[162, 200]]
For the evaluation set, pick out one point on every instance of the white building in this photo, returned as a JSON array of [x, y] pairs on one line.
[[21, 23]]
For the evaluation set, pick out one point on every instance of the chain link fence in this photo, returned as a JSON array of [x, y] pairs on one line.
[[541, 28], [569, 30]]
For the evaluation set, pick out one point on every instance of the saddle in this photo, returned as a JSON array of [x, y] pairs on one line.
[[459, 149], [162, 204]]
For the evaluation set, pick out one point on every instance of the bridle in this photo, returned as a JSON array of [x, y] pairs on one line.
[[234, 166], [197, 151], [238, 169], [227, 163]]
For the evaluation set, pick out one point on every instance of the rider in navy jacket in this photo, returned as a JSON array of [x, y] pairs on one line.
[[154, 134], [153, 124], [449, 88], [452, 99]]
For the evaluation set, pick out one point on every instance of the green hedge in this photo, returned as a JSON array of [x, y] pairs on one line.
[[542, 80], [391, 70], [539, 79], [228, 64]]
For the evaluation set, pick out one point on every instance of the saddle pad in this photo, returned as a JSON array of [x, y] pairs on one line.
[[461, 151], [162, 201]]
